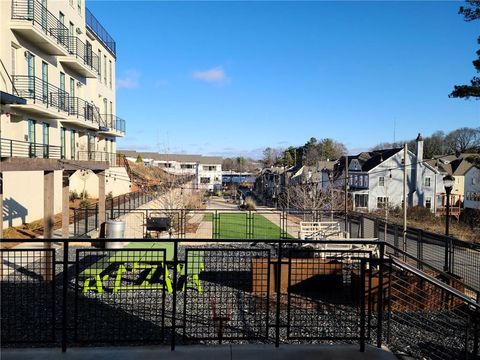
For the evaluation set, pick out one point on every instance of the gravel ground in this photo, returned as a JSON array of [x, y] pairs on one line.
[[226, 307]]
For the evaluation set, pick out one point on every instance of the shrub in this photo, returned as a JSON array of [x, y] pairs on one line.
[[84, 204], [249, 204], [419, 213], [73, 195], [84, 194]]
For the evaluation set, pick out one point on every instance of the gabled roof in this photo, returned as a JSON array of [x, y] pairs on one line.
[[368, 159], [174, 157]]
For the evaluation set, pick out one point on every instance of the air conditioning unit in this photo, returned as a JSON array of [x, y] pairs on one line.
[[79, 31]]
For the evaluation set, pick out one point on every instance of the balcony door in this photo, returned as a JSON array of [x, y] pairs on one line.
[[31, 74], [63, 94], [88, 54], [44, 13], [72, 144], [91, 146], [31, 138], [71, 100], [45, 139], [45, 83], [62, 143]]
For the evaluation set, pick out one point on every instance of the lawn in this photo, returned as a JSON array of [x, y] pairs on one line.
[[240, 226]]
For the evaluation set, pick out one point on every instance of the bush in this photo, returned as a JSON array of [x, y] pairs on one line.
[[419, 213], [84, 204], [109, 196], [73, 195], [84, 194], [249, 204]]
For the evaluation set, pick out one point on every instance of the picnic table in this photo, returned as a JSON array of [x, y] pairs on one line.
[[151, 262]]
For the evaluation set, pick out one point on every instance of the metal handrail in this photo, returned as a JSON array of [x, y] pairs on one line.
[[79, 49], [96, 27], [27, 149], [114, 122], [109, 157], [34, 11], [34, 88], [14, 89]]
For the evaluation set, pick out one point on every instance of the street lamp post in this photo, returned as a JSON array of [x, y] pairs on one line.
[[448, 182]]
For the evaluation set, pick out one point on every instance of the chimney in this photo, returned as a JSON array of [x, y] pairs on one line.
[[419, 148]]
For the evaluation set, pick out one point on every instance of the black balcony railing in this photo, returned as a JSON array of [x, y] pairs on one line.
[[34, 12], [94, 25], [41, 92], [111, 158], [26, 149], [113, 122], [83, 53], [84, 110]]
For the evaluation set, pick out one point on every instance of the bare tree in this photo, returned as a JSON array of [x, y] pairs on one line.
[[463, 139]]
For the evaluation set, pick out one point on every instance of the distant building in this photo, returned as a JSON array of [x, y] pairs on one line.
[[206, 169]]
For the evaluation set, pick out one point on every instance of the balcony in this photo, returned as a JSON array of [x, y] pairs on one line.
[[114, 125], [25, 149], [82, 113], [33, 21], [43, 99], [111, 158], [80, 58], [94, 26]]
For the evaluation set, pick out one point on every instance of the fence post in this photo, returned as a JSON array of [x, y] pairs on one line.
[[86, 220], [380, 296], [278, 285], [420, 248], [362, 304], [64, 296], [111, 208]]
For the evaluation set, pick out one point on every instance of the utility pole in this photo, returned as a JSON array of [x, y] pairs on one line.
[[405, 199], [346, 192]]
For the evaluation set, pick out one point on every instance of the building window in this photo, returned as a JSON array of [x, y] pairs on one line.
[[79, 7], [62, 143], [209, 168], [186, 166], [72, 144], [100, 65], [46, 141], [474, 181], [205, 180], [382, 202], [14, 60], [361, 200], [427, 182], [110, 73], [105, 69], [428, 202], [381, 181]]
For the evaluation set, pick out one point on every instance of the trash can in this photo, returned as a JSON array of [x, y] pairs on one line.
[[114, 229]]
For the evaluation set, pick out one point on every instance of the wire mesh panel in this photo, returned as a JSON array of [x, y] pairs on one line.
[[27, 288], [465, 263], [120, 294], [172, 220], [266, 225], [226, 294], [324, 289], [232, 225], [428, 321], [199, 224]]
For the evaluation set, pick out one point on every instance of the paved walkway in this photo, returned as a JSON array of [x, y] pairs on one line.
[[198, 352]]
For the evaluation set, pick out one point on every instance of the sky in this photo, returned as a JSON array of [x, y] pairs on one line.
[[231, 78]]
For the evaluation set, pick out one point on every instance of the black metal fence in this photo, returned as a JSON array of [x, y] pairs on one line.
[[83, 52], [85, 219], [16, 148], [435, 250], [257, 291]]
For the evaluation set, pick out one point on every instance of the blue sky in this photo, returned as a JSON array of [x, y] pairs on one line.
[[231, 78]]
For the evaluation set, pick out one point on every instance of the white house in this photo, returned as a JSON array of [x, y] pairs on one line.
[[206, 169], [376, 178], [472, 188]]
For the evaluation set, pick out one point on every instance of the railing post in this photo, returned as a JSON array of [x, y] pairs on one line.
[[96, 215], [65, 294], [278, 285], [86, 221], [174, 297], [420, 248], [111, 208], [362, 293], [380, 296]]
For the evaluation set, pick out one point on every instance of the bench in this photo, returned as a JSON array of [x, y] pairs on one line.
[[317, 230]]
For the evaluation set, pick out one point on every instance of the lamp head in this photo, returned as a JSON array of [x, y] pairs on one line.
[[448, 182]]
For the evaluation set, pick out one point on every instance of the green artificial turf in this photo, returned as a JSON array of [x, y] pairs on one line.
[[239, 226]]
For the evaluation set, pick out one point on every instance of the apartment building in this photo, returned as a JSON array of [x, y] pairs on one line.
[[58, 111], [206, 169]]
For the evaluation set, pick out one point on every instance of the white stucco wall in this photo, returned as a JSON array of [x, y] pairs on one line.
[[116, 181]]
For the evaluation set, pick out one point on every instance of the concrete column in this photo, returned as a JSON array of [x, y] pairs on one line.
[[65, 204], [48, 207], [101, 202]]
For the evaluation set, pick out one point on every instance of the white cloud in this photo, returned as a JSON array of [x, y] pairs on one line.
[[214, 75], [129, 80]]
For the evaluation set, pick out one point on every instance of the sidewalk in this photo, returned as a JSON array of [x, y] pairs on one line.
[[199, 352]]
